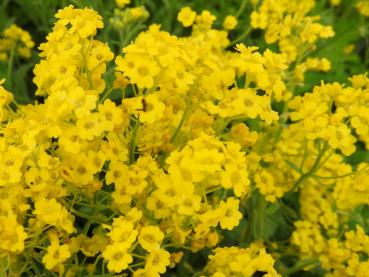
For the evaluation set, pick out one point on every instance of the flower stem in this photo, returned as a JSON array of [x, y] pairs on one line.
[[301, 265], [9, 80], [132, 146], [240, 38], [185, 116], [312, 170]]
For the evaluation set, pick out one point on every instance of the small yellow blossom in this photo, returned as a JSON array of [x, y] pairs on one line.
[[157, 261], [117, 256], [56, 254], [230, 22], [150, 238], [186, 16]]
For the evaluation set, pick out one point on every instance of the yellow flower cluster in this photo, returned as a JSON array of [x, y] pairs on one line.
[[332, 188], [234, 261], [15, 41], [194, 147], [339, 256], [73, 63], [332, 110], [287, 22], [123, 17], [75, 145]]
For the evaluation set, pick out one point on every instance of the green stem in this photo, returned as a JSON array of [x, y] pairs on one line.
[[168, 18], [239, 118], [242, 7], [138, 256], [282, 124], [301, 265], [107, 93], [312, 170], [214, 189], [240, 38], [132, 146], [86, 216], [334, 177], [125, 41], [259, 217], [88, 73], [9, 80], [305, 155], [185, 116], [292, 86]]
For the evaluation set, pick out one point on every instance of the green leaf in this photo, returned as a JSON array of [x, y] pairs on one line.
[[20, 88]]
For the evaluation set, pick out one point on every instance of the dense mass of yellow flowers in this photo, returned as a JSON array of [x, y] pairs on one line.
[[131, 186]]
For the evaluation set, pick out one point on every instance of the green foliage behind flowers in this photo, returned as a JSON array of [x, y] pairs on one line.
[[184, 138]]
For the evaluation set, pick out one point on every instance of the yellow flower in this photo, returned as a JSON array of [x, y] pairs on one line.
[[181, 77], [189, 204], [116, 173], [230, 22], [12, 234], [11, 162], [266, 185], [110, 115], [115, 148], [340, 137], [84, 103], [247, 102], [258, 20], [234, 261], [120, 81], [308, 238], [90, 246], [152, 109], [205, 20], [230, 215], [140, 68], [70, 141], [133, 215], [169, 194], [155, 205], [186, 16], [49, 211], [150, 238], [123, 232], [89, 126], [157, 260], [236, 178], [83, 22], [117, 256], [241, 134], [99, 54], [5, 96], [56, 254]]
